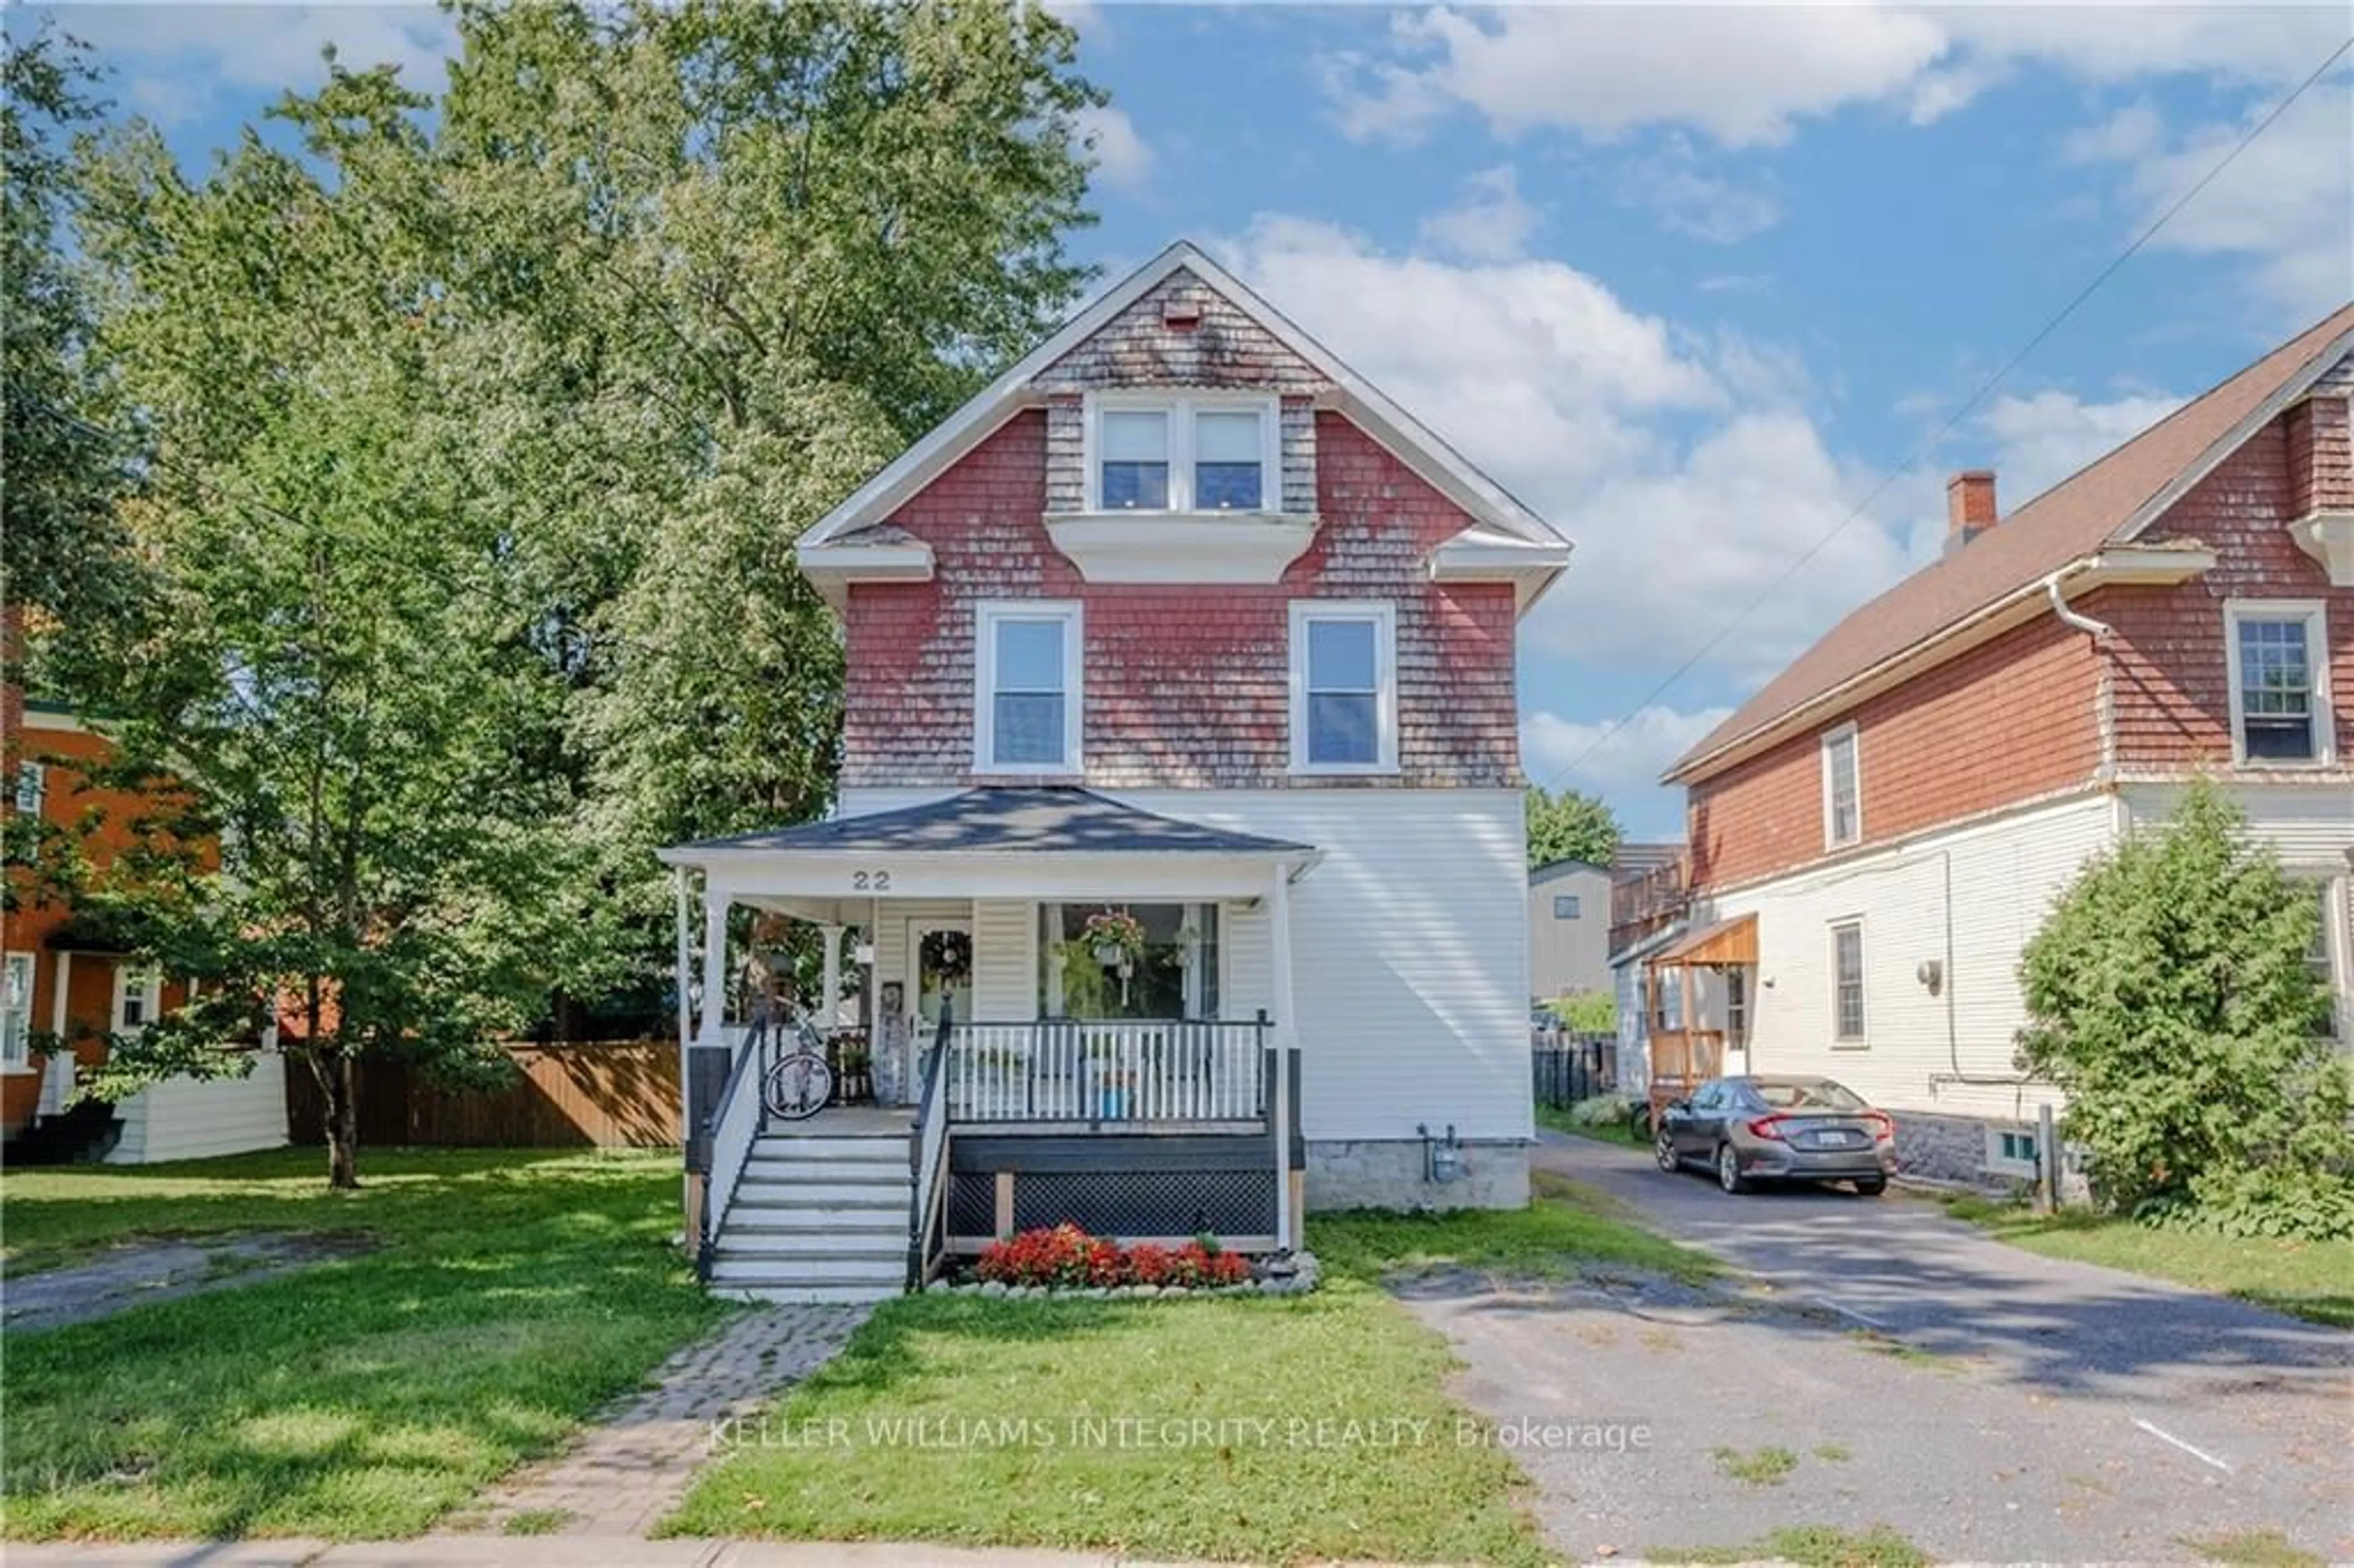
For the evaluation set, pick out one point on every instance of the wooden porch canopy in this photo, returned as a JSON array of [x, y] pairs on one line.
[[1716, 946]]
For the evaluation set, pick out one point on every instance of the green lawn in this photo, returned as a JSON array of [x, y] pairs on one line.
[[2314, 1280], [956, 1418], [509, 1295]]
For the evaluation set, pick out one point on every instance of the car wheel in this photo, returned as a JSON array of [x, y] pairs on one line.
[[1872, 1186], [1728, 1170], [1663, 1150]]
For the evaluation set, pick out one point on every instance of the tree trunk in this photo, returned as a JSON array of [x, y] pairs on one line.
[[343, 1119]]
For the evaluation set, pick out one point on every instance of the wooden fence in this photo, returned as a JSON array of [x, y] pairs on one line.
[[1566, 1068], [613, 1095]]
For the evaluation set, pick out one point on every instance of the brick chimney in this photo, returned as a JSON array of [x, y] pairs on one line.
[[1970, 507]]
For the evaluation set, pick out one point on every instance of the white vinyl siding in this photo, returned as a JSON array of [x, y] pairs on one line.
[[195, 1118], [1409, 948], [1004, 961], [1996, 879]]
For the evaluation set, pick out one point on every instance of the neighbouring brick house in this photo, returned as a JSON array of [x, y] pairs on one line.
[[1875, 835], [65, 981], [1179, 620]]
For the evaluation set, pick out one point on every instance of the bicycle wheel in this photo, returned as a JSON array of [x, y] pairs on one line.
[[799, 1086]]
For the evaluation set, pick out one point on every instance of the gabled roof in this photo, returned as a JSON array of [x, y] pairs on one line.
[[2109, 503], [1007, 820], [1500, 521]]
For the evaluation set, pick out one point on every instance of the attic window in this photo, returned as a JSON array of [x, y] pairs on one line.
[[1200, 453]]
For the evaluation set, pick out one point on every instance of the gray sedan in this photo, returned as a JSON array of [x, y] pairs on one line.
[[1799, 1129]]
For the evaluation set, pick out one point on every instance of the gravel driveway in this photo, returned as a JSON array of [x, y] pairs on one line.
[[1983, 1401]]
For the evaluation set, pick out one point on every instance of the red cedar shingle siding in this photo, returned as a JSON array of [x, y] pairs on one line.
[[2066, 521], [1186, 687], [2172, 696], [2010, 720], [2013, 720]]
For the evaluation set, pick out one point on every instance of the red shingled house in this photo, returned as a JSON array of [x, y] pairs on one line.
[[1879, 830]]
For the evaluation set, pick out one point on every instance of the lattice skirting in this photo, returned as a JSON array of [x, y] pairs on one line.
[[1237, 1206]]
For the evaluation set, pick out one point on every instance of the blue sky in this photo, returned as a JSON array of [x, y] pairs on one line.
[[1692, 280]]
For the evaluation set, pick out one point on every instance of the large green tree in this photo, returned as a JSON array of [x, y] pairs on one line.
[[1570, 826], [2170, 995], [474, 436], [62, 562]]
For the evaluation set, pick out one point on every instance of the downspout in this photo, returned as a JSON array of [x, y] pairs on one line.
[[2104, 692]]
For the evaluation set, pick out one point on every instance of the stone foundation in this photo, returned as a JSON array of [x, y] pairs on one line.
[[1388, 1173], [1954, 1150]]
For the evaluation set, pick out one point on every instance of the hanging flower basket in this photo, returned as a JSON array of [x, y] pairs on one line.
[[1116, 935]]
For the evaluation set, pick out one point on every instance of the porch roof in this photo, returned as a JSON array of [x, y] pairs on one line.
[[1048, 819]]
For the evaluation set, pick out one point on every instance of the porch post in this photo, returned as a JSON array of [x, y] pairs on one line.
[[684, 968], [829, 1004], [1287, 1037], [57, 1076], [715, 963]]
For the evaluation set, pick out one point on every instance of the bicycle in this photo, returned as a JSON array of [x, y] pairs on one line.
[[799, 1083]]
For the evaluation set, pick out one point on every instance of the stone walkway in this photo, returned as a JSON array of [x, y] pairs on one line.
[[632, 1468]]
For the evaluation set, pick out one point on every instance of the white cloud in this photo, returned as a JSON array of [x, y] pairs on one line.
[[1622, 764], [1621, 430], [1534, 369], [1491, 223], [2041, 439], [1742, 76], [188, 49], [1687, 201], [1745, 76], [2286, 205], [1121, 156]]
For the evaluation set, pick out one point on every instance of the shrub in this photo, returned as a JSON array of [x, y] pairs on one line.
[[1067, 1257], [1605, 1110], [2169, 994], [1586, 1011]]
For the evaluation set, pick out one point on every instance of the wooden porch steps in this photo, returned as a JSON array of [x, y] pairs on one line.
[[818, 1217]]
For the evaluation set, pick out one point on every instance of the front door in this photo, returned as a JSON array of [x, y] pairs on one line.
[[939, 973]]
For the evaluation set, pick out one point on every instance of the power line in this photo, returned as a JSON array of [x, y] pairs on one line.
[[1960, 413]]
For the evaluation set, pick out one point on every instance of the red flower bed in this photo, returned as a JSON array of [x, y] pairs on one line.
[[1069, 1258]]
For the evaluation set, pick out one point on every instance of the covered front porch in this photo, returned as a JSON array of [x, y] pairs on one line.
[[1697, 993], [1073, 1010]]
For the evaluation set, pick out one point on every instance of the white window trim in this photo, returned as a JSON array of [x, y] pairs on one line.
[[1831, 739], [2336, 939], [150, 991], [38, 775], [2316, 616], [1384, 616], [985, 617], [1999, 1164], [20, 1060], [1863, 980], [1180, 409]]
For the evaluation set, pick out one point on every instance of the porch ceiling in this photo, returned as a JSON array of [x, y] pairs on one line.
[[1732, 941]]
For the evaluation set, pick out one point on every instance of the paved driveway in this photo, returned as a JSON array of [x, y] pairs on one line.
[[1982, 1402]]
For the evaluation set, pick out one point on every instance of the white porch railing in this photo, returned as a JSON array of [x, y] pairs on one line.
[[1125, 1071], [735, 1127]]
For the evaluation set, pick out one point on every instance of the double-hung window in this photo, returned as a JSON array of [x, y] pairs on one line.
[[1205, 453], [1847, 982], [2321, 957], [137, 996], [16, 1011], [1343, 687], [1842, 789], [32, 787], [2280, 706], [1027, 708]]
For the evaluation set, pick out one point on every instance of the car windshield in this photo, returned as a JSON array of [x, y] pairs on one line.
[[1809, 1095]]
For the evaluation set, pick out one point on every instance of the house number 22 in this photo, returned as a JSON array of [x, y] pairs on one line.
[[870, 882]]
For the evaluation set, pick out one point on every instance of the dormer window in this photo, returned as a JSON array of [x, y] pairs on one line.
[[1198, 452]]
